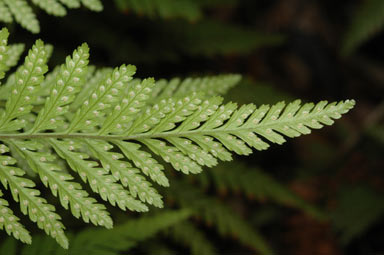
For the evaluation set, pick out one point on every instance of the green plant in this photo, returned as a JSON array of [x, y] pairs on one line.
[[190, 10], [365, 23], [367, 209], [248, 183], [21, 11], [101, 241], [115, 136]]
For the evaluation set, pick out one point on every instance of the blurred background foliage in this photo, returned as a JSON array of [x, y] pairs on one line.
[[318, 194]]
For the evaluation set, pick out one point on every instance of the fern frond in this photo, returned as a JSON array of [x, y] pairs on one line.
[[188, 235], [367, 21], [201, 38], [257, 184], [190, 10], [24, 15], [120, 239], [10, 223], [112, 135], [221, 217], [9, 246]]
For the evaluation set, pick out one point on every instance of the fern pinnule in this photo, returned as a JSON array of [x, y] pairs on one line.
[[10, 223], [51, 6], [5, 14], [3, 52], [223, 219], [14, 52]]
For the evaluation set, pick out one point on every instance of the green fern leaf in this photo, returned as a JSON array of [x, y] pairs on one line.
[[256, 184], [120, 239], [190, 10], [187, 234], [109, 129], [224, 219]]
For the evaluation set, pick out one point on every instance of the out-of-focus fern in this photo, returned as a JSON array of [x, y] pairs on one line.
[[210, 38], [112, 139], [225, 220], [22, 12], [367, 208], [170, 40], [187, 234], [190, 10], [367, 21], [377, 132], [102, 242], [249, 181], [255, 183]]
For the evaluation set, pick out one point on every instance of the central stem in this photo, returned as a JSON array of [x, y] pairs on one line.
[[122, 137]]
